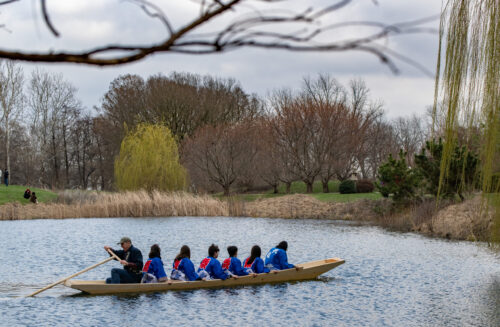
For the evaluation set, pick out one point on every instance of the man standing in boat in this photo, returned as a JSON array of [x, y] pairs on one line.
[[131, 261]]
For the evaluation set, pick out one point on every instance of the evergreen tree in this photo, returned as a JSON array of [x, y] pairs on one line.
[[460, 175], [397, 178]]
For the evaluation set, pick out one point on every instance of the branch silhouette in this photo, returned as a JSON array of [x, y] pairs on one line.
[[257, 29]]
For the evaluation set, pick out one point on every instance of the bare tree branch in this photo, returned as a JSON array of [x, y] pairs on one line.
[[47, 19], [6, 2], [158, 13], [259, 29]]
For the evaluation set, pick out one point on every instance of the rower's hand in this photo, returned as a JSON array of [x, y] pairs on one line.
[[275, 271], [235, 277], [254, 275], [297, 268], [107, 248], [124, 262]]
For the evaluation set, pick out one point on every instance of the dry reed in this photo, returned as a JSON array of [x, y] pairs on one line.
[[127, 204], [458, 221]]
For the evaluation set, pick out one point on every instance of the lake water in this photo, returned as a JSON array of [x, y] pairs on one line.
[[388, 279]]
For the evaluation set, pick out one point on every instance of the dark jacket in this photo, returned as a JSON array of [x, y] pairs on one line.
[[134, 258]]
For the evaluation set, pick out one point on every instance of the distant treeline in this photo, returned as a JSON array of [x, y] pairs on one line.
[[227, 137]]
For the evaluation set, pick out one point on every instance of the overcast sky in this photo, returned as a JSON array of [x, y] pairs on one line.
[[84, 24]]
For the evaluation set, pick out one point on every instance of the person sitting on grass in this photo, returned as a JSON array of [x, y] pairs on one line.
[[210, 267], [232, 265], [254, 263], [131, 259], [27, 194], [153, 271], [183, 267], [33, 198], [276, 258]]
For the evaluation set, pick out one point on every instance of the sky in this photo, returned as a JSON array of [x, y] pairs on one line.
[[84, 24]]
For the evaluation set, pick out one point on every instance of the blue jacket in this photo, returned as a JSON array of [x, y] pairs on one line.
[[278, 259], [155, 266], [185, 265], [213, 267], [257, 266], [233, 265], [134, 258]]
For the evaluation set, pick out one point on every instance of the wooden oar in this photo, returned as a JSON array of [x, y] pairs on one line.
[[113, 256]]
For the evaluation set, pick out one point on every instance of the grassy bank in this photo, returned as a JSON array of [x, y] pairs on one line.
[[324, 197], [14, 193], [300, 188]]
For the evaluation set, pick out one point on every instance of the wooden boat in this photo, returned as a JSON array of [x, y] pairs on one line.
[[308, 270]]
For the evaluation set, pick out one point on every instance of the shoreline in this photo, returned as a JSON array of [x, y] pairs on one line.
[[460, 221]]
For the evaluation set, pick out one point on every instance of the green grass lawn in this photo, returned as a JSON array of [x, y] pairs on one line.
[[337, 197], [300, 188], [326, 197], [14, 193]]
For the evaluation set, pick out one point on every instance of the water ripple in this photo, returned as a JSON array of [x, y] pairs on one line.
[[389, 279]]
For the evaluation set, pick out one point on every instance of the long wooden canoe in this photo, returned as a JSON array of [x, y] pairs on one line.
[[308, 270]]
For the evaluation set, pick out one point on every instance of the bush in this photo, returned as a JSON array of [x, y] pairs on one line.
[[395, 177], [347, 187], [461, 174], [149, 160], [364, 186]]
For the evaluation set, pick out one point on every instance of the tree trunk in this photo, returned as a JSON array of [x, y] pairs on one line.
[[7, 147], [288, 187], [309, 187], [275, 188], [226, 190], [325, 186], [56, 164], [101, 164], [66, 158]]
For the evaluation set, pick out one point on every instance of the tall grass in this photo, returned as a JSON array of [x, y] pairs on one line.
[[127, 204]]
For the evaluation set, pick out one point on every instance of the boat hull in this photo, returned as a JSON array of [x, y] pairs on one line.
[[308, 270]]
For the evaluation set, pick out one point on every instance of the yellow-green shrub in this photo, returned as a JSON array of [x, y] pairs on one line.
[[149, 159]]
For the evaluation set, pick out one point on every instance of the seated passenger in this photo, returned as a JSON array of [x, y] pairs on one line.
[[254, 263], [153, 268], [232, 265], [183, 268], [276, 258], [210, 267]]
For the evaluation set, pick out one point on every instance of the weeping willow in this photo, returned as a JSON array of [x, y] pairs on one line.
[[467, 85]]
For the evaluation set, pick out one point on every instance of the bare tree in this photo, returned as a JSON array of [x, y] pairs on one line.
[[271, 166], [363, 112], [54, 107], [255, 23], [11, 100], [329, 99], [84, 150], [297, 132], [410, 135], [223, 153], [380, 143]]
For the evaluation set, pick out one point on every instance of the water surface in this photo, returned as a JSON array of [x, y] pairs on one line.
[[388, 279]]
